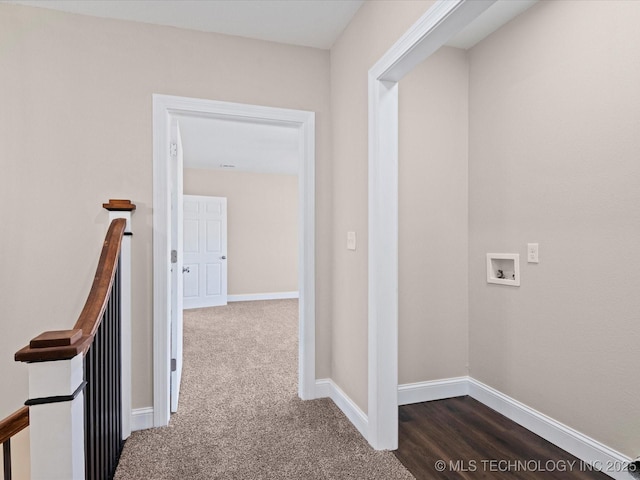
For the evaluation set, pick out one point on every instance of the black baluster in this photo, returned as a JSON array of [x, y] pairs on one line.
[[103, 402], [6, 459]]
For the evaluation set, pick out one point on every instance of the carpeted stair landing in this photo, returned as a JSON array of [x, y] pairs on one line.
[[239, 415]]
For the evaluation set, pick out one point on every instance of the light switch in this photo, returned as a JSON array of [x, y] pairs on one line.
[[532, 253], [351, 240]]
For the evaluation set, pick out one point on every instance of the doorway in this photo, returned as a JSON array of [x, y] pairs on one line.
[[165, 110], [439, 24]]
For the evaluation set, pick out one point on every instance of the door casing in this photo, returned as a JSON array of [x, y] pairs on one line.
[[175, 189], [439, 24], [165, 107]]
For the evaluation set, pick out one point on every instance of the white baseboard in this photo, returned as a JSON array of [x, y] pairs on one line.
[[581, 446], [327, 388], [249, 297], [323, 388], [432, 390], [141, 418], [585, 448]]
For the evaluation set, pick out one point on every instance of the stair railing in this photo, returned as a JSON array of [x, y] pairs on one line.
[[80, 379], [9, 427]]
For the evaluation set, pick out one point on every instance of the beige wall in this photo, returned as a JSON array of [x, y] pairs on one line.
[[20, 467], [553, 117], [75, 130], [373, 30], [554, 122], [262, 227], [433, 219]]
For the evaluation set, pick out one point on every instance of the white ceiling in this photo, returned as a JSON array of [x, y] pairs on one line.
[[239, 146], [310, 23], [212, 143]]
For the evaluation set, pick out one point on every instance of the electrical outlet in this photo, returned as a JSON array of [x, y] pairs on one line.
[[532, 253]]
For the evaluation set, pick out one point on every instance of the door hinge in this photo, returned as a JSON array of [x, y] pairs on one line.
[[173, 365], [174, 256], [173, 149]]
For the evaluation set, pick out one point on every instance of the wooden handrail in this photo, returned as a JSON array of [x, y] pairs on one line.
[[14, 424], [66, 344], [89, 319]]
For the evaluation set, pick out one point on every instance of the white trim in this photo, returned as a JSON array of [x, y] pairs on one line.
[[125, 321], [383, 266], [437, 26], [323, 388], [56, 440], [161, 256], [433, 390], [585, 448], [164, 107], [141, 418], [125, 333], [440, 23], [249, 297], [306, 252], [327, 388]]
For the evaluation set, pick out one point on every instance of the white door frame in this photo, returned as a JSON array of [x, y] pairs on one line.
[[176, 236], [439, 24], [164, 106]]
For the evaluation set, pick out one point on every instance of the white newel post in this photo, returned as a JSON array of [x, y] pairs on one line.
[[56, 419], [124, 209]]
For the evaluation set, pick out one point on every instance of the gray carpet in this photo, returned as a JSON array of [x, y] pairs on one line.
[[239, 415]]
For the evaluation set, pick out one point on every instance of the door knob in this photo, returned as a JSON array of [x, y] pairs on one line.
[[185, 270], [223, 257]]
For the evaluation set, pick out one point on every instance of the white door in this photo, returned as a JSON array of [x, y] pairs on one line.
[[176, 263], [205, 251]]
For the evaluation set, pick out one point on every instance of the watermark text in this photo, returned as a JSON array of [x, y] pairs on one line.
[[497, 465]]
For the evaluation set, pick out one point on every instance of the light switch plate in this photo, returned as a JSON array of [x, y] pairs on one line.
[[351, 240], [532, 253]]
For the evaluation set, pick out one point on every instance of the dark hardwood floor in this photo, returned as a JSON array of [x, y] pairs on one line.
[[460, 438]]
